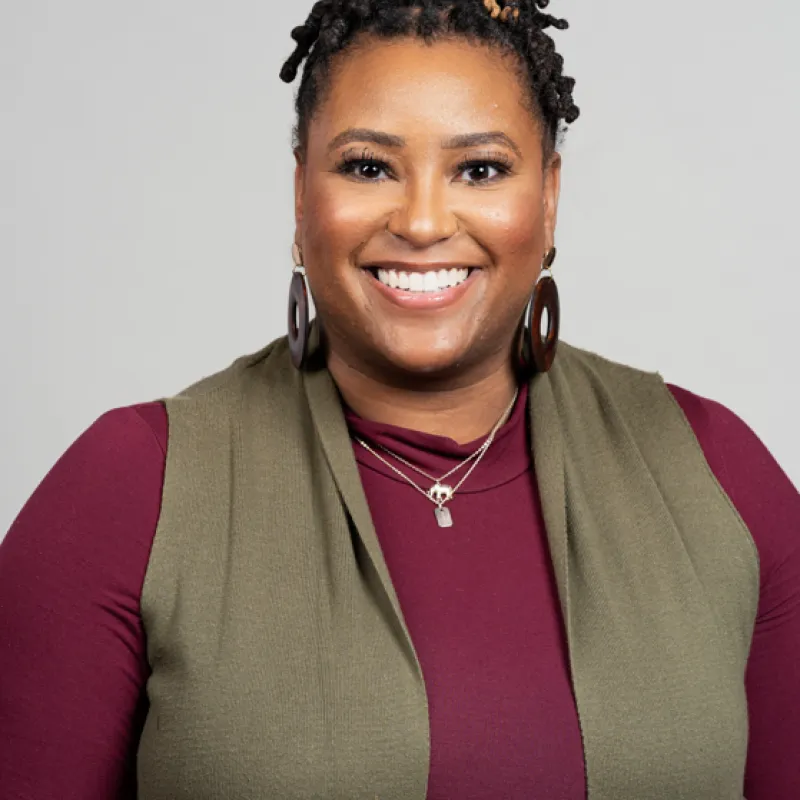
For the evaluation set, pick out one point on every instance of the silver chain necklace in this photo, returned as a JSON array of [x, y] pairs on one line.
[[441, 493]]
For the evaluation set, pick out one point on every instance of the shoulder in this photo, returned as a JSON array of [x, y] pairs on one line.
[[97, 507], [574, 360], [758, 487], [123, 448], [589, 377], [113, 449], [741, 463], [137, 431], [719, 430], [735, 453], [214, 402], [634, 402], [269, 365], [261, 390]]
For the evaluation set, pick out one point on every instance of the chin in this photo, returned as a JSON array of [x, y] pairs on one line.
[[426, 362]]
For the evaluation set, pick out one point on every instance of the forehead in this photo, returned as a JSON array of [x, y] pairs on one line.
[[405, 86]]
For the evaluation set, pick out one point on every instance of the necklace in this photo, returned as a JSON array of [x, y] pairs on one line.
[[441, 493]]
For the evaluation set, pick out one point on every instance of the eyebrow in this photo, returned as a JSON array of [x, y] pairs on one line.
[[457, 142], [472, 139], [365, 135]]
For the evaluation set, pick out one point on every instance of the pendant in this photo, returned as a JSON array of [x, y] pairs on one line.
[[443, 517], [440, 493]]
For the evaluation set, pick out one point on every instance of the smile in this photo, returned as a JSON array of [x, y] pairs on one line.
[[422, 289], [433, 281]]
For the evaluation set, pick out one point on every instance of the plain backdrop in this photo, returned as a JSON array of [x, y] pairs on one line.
[[146, 204]]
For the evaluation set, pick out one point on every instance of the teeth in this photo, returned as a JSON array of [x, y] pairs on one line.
[[423, 281]]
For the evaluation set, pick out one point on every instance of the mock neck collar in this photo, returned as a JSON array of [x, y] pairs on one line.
[[508, 456]]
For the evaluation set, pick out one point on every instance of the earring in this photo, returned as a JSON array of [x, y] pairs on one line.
[[538, 351], [298, 311]]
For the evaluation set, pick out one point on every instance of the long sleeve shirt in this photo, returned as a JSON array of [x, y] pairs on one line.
[[483, 612]]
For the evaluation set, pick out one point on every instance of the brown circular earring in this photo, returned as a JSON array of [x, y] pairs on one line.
[[299, 326], [539, 350]]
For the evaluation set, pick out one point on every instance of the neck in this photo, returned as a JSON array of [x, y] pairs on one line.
[[463, 413]]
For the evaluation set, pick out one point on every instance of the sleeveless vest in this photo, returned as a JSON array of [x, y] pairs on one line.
[[281, 663]]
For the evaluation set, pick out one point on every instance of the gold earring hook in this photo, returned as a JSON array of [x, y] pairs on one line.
[[297, 255]]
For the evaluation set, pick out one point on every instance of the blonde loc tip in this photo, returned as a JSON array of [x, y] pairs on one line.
[[493, 7]]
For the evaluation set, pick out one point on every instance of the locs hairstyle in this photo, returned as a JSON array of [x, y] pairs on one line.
[[515, 26]]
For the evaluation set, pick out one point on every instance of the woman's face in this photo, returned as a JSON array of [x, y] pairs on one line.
[[424, 161]]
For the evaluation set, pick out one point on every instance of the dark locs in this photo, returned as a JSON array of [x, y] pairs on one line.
[[517, 27]]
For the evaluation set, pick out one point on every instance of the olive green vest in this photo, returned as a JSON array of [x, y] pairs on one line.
[[281, 664]]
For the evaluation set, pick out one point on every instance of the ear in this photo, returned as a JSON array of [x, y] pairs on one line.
[[552, 191], [299, 194]]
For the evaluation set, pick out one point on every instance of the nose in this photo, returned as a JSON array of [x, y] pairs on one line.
[[423, 217]]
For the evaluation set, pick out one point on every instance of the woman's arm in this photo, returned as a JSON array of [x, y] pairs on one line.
[[72, 650], [770, 506]]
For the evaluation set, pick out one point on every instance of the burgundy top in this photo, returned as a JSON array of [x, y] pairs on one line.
[[479, 599]]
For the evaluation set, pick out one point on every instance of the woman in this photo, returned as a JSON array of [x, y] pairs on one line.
[[416, 548]]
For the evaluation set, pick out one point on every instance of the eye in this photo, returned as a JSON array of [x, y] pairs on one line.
[[478, 171], [363, 169]]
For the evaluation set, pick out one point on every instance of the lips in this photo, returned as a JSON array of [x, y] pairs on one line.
[[427, 281], [410, 266], [421, 286]]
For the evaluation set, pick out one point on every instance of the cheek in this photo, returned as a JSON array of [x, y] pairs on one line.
[[337, 222], [511, 226]]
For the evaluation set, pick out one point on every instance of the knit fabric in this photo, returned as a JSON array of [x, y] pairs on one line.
[[263, 508], [73, 666]]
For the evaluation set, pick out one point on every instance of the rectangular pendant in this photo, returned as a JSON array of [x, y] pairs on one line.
[[444, 518]]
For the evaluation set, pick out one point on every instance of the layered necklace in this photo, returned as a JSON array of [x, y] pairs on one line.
[[441, 493]]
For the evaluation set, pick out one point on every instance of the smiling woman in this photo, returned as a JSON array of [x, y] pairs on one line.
[[447, 193], [415, 549], [409, 165]]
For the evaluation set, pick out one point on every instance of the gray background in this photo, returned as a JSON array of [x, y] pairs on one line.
[[146, 204]]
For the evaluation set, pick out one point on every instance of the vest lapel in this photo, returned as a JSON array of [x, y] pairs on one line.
[[548, 459], [655, 617], [329, 422], [657, 577]]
